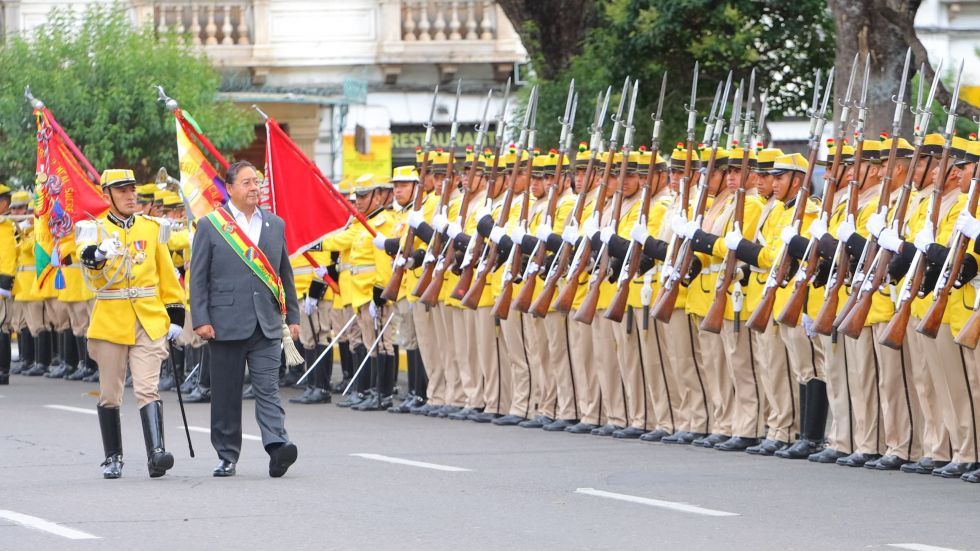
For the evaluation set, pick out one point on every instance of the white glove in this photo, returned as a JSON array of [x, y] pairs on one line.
[[808, 326], [399, 261], [320, 271], [876, 223], [109, 248], [5, 293], [967, 225], [519, 233], [683, 227], [605, 233], [889, 240], [591, 226], [309, 305], [496, 233], [924, 238], [453, 229], [787, 234], [439, 222], [415, 219], [174, 331], [639, 232], [483, 212], [732, 239], [372, 309], [570, 233], [24, 224], [818, 228], [544, 231], [846, 229], [379, 241]]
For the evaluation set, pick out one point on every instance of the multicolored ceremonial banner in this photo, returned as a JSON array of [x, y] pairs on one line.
[[65, 193], [249, 252], [199, 181]]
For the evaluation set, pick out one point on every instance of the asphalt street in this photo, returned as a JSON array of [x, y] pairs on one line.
[[377, 480]]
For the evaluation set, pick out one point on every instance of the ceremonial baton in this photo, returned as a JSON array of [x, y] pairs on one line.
[[368, 355], [180, 397], [330, 346]]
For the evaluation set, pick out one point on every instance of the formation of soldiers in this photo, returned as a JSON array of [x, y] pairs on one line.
[[704, 295]]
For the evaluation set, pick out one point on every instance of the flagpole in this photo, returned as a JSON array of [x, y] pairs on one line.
[[174, 108]]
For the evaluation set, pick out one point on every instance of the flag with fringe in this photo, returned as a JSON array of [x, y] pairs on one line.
[[200, 183]]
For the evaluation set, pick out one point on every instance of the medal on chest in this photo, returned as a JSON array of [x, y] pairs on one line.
[[139, 252]]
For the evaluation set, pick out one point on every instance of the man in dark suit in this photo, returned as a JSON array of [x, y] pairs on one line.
[[242, 313]]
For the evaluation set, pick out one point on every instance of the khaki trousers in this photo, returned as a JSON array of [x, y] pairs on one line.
[[494, 363], [404, 323], [431, 350], [958, 390], [560, 367], [584, 372], [56, 314], [749, 403], [544, 392], [721, 393], [33, 311], [143, 359], [450, 356], [606, 356], [901, 416], [513, 332], [69, 315], [661, 387], [638, 410], [188, 337], [862, 375], [366, 324], [315, 329], [693, 413], [835, 373], [923, 366], [781, 388], [338, 318], [468, 356], [10, 315]]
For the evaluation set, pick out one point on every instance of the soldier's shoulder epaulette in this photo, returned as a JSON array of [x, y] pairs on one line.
[[379, 220], [165, 226], [86, 232]]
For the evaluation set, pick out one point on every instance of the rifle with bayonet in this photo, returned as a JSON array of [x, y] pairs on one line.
[[663, 307], [631, 263], [435, 244], [431, 294], [391, 290], [477, 242], [538, 256], [969, 335]]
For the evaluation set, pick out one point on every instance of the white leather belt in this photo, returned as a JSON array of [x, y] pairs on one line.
[[757, 270], [355, 270], [303, 270], [26, 269], [127, 293], [713, 269]]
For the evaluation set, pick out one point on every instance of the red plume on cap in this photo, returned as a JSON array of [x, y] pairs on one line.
[[643, 148], [830, 142], [680, 145], [469, 148], [582, 146], [418, 148], [438, 150], [884, 136], [973, 136]]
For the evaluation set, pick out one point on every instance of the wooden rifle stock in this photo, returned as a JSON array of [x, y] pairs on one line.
[[969, 335], [472, 297], [566, 297], [894, 334], [390, 292], [435, 247]]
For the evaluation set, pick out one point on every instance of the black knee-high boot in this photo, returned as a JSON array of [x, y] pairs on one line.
[[363, 382], [111, 430], [158, 459], [25, 352], [42, 354], [4, 358]]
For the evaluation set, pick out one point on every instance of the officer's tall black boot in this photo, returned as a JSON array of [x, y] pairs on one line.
[[346, 369], [410, 397], [389, 379], [111, 442], [42, 354], [356, 394], [202, 393], [4, 358], [64, 365], [318, 390], [813, 422], [158, 459], [56, 366], [85, 368]]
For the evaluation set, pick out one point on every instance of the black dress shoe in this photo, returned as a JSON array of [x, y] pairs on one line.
[[423, 409], [607, 430], [297, 399], [317, 396], [248, 393], [445, 411], [972, 476], [954, 470], [485, 417], [826, 455], [93, 378], [405, 406], [856, 459], [339, 387], [36, 370], [559, 425], [224, 468], [280, 458], [508, 421], [200, 395], [767, 447], [463, 414], [85, 371], [581, 428], [654, 435], [112, 467], [351, 400], [736, 444], [4, 379], [801, 449], [372, 403], [58, 371], [923, 466], [629, 433], [538, 422], [710, 440], [888, 463], [683, 437]]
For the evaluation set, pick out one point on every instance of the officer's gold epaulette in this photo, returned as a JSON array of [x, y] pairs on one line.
[[164, 235], [86, 233]]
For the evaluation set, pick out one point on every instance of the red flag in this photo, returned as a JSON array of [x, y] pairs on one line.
[[300, 194]]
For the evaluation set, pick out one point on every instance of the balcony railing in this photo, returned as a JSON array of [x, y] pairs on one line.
[[454, 20], [224, 22]]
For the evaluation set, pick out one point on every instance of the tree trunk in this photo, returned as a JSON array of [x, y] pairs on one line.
[[551, 30]]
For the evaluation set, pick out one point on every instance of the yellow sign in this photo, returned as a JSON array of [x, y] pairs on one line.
[[377, 161], [971, 94]]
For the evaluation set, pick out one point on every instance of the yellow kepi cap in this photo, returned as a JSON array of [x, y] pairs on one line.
[[678, 157], [792, 162], [932, 144], [405, 173], [903, 149], [19, 199], [958, 152], [438, 161], [4, 189], [872, 151], [582, 156], [846, 152], [117, 177], [172, 200], [766, 158], [973, 152], [735, 156]]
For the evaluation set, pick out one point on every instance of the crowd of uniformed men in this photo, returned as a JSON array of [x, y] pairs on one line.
[[765, 393]]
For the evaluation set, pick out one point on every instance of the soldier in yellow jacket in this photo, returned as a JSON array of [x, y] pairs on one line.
[[8, 270], [138, 306]]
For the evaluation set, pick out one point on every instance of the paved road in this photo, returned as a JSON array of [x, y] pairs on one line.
[[471, 487]]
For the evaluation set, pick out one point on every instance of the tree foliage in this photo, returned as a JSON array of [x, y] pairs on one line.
[[784, 41], [96, 73]]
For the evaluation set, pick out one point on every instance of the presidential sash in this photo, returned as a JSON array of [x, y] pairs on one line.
[[251, 255]]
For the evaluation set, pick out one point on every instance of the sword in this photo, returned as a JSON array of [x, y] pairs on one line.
[[368, 355], [330, 346]]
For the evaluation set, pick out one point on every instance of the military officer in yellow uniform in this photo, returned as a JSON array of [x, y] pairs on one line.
[[139, 304], [8, 271]]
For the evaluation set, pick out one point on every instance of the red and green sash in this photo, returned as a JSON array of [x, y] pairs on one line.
[[249, 252]]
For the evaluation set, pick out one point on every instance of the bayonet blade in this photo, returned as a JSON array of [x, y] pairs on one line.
[[828, 91], [816, 92], [571, 125], [660, 100], [618, 121], [694, 85], [905, 76], [628, 133], [951, 119], [867, 76]]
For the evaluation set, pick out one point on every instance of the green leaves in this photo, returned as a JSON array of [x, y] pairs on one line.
[[96, 72]]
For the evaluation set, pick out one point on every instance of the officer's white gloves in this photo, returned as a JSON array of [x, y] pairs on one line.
[[818, 228], [109, 248], [174, 331], [683, 227], [846, 229], [309, 305], [967, 225], [379, 241], [639, 232], [415, 219], [889, 240], [924, 238]]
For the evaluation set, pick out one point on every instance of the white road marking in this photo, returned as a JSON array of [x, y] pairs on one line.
[[192, 428], [72, 409], [410, 463], [672, 505], [919, 547], [37, 523]]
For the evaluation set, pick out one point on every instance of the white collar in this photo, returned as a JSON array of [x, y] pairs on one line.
[[235, 213]]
